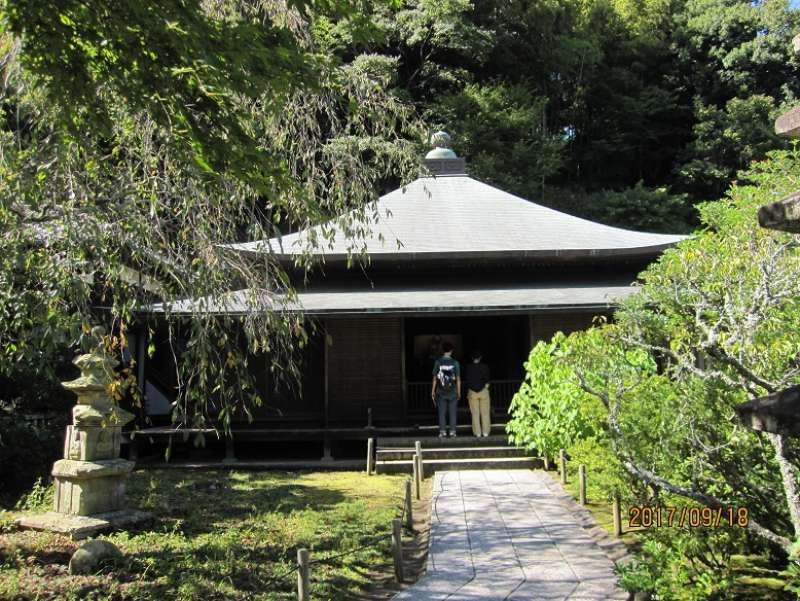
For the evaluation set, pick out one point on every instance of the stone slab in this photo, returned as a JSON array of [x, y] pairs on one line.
[[79, 527], [510, 534], [84, 470]]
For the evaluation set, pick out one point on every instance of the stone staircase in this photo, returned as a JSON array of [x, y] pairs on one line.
[[394, 455]]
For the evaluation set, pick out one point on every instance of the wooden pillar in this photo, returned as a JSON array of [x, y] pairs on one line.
[[531, 331], [582, 484], [141, 357], [230, 455], [327, 455], [325, 344], [403, 378], [133, 448], [326, 441], [562, 464]]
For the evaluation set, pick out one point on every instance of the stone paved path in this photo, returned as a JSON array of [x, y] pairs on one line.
[[505, 535]]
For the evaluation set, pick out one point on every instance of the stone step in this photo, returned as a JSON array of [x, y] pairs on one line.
[[470, 452], [403, 466], [433, 441]]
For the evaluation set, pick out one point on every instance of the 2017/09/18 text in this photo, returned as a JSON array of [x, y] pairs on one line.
[[642, 516]]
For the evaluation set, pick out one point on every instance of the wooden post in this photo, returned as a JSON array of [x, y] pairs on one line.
[[327, 454], [420, 467], [531, 331], [370, 453], [403, 377], [409, 507], [327, 341], [617, 517], [546, 463], [141, 357], [562, 461], [415, 469], [133, 448], [582, 484], [303, 576], [397, 549]]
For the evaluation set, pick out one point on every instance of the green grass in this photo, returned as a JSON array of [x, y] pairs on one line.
[[221, 535]]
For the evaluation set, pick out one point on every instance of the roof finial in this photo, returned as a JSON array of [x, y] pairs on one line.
[[440, 139]]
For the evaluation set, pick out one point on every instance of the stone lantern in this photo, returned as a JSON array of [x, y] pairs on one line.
[[778, 412], [90, 479]]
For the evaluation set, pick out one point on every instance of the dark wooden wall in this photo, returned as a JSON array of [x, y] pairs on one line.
[[364, 369], [544, 325], [290, 402]]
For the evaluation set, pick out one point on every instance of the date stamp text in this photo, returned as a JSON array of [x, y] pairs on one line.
[[643, 516]]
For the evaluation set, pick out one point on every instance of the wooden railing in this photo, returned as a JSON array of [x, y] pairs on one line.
[[500, 391]]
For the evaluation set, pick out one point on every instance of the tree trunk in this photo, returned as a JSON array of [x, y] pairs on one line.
[[789, 475]]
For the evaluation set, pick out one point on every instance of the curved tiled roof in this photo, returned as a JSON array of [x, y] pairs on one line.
[[456, 216]]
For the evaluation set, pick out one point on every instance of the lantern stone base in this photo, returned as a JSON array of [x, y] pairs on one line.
[[79, 527], [90, 487]]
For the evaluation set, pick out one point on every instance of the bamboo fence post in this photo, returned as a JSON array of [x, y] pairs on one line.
[[582, 484], [303, 575], [617, 517], [370, 454], [397, 549], [562, 460], [409, 508]]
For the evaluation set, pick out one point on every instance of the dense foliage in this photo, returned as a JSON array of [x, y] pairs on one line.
[[717, 321], [135, 140], [552, 97]]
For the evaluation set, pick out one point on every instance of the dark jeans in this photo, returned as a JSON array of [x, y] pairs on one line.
[[445, 405]]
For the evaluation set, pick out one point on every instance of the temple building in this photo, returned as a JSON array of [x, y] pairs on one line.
[[451, 258]]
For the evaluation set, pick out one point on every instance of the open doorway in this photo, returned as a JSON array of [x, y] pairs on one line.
[[502, 339]]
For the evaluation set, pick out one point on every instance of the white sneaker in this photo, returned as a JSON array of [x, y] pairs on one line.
[[442, 434], [452, 433]]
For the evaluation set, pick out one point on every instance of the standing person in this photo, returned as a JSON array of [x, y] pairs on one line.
[[476, 376], [446, 388]]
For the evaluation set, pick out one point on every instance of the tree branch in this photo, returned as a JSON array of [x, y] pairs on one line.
[[752, 525]]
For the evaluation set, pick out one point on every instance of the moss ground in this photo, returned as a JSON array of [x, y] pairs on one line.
[[220, 535]]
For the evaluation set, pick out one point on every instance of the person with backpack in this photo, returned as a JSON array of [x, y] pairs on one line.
[[476, 376], [446, 389]]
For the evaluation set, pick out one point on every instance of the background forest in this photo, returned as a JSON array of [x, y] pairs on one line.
[[624, 111]]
